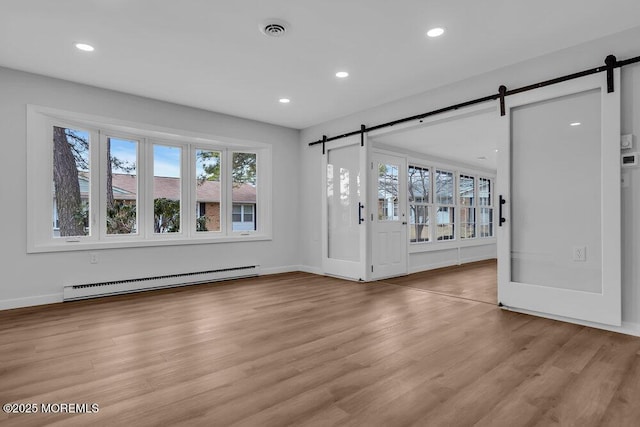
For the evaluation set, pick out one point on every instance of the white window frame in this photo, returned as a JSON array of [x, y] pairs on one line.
[[193, 176], [479, 207], [141, 191], [229, 196], [186, 153], [457, 242], [428, 205], [454, 205], [40, 122], [459, 176]]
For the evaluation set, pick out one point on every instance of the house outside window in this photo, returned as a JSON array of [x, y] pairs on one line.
[[243, 217]]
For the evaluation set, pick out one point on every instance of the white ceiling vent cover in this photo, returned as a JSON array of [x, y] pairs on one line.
[[274, 27]]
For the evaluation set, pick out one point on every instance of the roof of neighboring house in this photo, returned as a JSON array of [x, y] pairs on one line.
[[125, 188]]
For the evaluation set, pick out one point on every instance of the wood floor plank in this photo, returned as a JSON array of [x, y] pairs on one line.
[[475, 281], [624, 407], [301, 349], [586, 400]]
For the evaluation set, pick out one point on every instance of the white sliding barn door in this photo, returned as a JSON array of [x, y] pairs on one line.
[[559, 173], [344, 242]]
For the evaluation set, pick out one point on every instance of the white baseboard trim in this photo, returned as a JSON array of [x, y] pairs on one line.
[[628, 328], [427, 267], [476, 259], [448, 263], [9, 304], [279, 270], [311, 270]]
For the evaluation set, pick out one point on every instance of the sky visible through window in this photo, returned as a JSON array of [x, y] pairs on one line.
[[206, 159], [126, 152], [82, 162], [166, 161]]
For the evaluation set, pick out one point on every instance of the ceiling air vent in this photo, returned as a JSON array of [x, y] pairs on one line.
[[274, 27]]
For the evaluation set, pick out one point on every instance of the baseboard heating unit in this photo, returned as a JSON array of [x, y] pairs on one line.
[[99, 289]]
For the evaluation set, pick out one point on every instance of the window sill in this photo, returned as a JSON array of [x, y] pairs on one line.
[[450, 244], [64, 246]]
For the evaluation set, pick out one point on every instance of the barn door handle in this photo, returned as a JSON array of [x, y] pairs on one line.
[[501, 202], [360, 207]]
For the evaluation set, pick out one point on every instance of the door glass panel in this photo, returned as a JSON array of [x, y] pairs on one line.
[[387, 192], [343, 196], [556, 238]]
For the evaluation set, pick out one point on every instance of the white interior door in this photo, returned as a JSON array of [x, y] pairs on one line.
[[559, 172], [344, 195], [389, 216]]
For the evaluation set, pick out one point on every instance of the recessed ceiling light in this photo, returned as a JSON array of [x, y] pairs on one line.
[[85, 47], [496, 150], [435, 32], [284, 100], [342, 74], [575, 124]]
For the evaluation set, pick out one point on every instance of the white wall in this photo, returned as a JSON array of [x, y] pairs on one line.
[[623, 45], [29, 279]]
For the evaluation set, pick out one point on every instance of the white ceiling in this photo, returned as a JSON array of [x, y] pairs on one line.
[[464, 139], [210, 54]]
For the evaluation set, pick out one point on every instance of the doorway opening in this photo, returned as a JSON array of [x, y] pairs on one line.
[[450, 166]]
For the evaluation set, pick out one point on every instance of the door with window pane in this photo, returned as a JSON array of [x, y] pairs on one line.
[[559, 177], [389, 225], [344, 210]]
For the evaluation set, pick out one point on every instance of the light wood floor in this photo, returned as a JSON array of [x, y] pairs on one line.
[[299, 349], [476, 281]]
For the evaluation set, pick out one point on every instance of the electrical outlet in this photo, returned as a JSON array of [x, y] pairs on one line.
[[579, 253], [93, 258]]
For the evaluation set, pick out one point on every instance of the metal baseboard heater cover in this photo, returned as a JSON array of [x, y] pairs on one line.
[[99, 289]]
